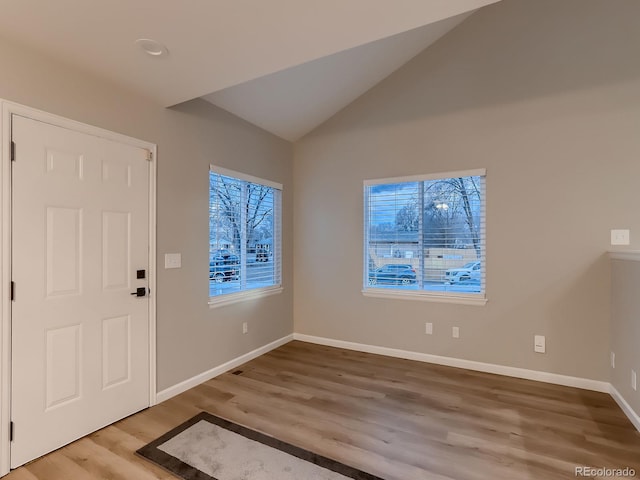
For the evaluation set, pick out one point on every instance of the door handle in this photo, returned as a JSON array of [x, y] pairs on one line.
[[140, 292]]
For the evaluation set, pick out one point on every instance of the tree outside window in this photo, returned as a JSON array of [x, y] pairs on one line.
[[426, 234]]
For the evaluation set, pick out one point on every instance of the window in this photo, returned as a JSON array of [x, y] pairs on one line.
[[244, 236], [425, 237]]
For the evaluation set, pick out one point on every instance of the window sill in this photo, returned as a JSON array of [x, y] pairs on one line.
[[230, 298], [426, 296]]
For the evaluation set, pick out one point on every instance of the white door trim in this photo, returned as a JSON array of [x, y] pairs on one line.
[[8, 109]]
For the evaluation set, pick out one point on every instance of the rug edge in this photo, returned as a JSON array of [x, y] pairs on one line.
[[250, 433], [169, 463]]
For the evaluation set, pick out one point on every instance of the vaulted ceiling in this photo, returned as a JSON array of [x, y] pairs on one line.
[[284, 65]]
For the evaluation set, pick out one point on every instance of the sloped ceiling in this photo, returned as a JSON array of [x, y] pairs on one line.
[[292, 102], [285, 65]]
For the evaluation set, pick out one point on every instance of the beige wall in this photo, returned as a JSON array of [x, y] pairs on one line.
[[546, 96], [191, 337], [543, 94], [625, 328]]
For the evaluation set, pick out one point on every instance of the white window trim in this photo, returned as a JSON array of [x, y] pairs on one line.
[[426, 296], [478, 172], [245, 177], [479, 299], [254, 293], [231, 298]]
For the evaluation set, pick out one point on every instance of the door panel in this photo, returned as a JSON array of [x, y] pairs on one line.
[[63, 365], [116, 350], [116, 247], [80, 340], [64, 256]]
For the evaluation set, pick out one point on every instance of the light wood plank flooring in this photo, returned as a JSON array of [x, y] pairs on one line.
[[398, 419]]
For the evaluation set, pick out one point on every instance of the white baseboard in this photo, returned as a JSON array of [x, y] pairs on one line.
[[177, 389], [626, 408], [546, 377], [584, 383]]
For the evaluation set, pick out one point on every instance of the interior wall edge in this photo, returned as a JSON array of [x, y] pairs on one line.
[[185, 385], [632, 415]]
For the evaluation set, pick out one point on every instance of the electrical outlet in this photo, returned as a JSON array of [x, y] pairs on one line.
[[634, 380], [539, 344], [245, 327], [613, 359], [455, 332], [428, 328]]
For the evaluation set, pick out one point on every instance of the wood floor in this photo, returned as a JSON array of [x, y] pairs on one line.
[[398, 419]]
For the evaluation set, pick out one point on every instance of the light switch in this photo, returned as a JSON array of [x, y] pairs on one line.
[[539, 344], [172, 260], [619, 237]]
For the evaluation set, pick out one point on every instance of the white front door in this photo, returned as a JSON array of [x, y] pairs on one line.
[[80, 240]]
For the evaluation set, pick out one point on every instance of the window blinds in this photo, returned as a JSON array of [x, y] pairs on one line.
[[426, 234], [244, 233]]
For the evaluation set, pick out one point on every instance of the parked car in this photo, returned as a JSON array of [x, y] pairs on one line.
[[262, 255], [224, 266], [466, 273], [395, 274], [257, 255]]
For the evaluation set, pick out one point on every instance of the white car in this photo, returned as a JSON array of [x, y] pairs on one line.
[[469, 271]]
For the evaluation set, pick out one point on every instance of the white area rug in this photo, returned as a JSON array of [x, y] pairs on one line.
[[212, 448]]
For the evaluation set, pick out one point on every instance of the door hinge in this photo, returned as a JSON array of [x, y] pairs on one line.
[[13, 291], [11, 431], [149, 155], [13, 151]]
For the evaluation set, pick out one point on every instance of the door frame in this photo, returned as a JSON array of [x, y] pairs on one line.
[[7, 110]]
